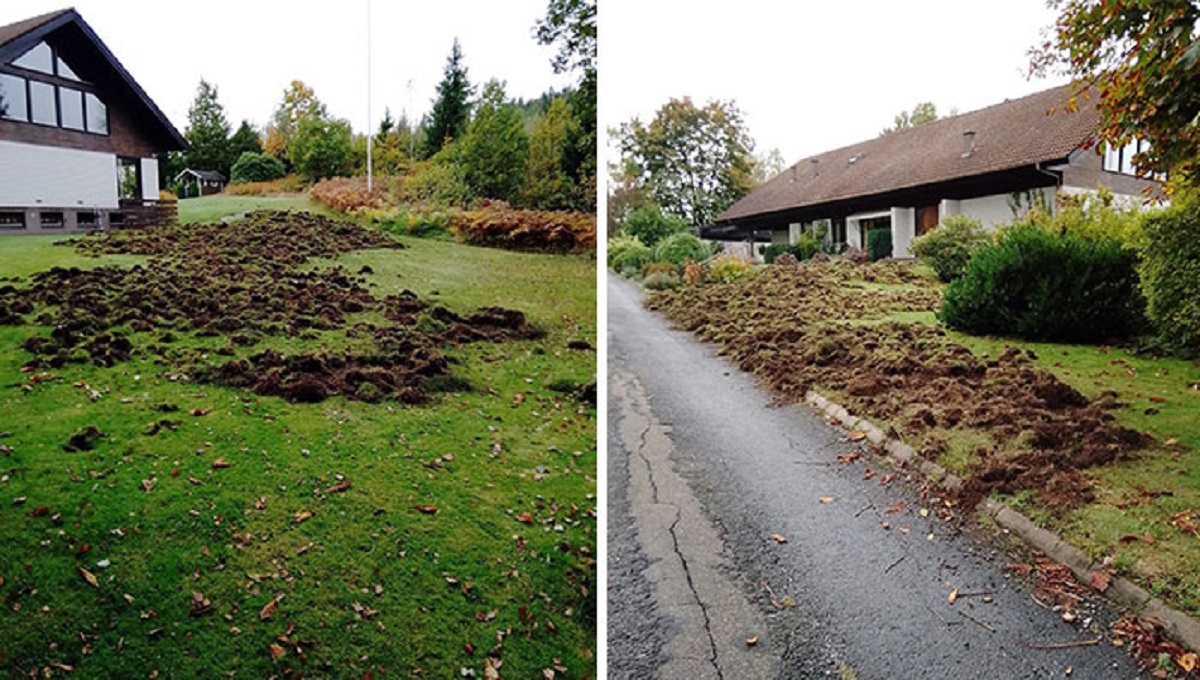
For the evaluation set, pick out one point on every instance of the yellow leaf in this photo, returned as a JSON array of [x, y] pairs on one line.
[[89, 577], [303, 515], [953, 596], [778, 538], [268, 610], [924, 512], [276, 650], [827, 499], [857, 435], [751, 641], [1188, 662]]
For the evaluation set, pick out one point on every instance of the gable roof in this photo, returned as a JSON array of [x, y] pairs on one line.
[[206, 175], [1013, 134], [92, 60]]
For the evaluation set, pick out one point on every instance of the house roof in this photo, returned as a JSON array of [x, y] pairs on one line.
[[206, 175], [1036, 129], [92, 60]]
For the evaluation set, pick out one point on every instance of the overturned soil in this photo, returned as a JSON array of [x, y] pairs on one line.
[[244, 282], [824, 325]]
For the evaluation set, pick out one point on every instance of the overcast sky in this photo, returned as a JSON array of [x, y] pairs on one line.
[[252, 49], [815, 75]]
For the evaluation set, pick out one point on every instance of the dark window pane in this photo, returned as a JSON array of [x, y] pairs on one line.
[[65, 71], [40, 58], [71, 103], [13, 103], [42, 106], [97, 115]]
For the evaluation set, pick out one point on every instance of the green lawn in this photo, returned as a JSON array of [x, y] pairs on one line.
[[213, 208], [368, 583]]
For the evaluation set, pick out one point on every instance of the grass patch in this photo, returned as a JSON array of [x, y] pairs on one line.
[[213, 208], [373, 578]]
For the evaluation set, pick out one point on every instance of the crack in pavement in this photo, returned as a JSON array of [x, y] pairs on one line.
[[685, 547]]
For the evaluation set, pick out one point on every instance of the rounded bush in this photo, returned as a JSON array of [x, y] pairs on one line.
[[633, 258], [679, 247], [1041, 286], [256, 167], [948, 249], [620, 243], [651, 226], [1171, 274]]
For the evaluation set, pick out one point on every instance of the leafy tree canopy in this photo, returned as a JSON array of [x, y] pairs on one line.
[[1142, 59], [299, 102], [924, 112], [696, 161], [570, 24], [496, 147]]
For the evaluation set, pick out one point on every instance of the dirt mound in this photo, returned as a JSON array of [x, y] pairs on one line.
[[244, 281], [821, 324]]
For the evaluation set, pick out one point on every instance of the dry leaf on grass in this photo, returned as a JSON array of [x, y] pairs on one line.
[[89, 577]]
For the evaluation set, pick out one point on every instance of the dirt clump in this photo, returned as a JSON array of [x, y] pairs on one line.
[[829, 325]]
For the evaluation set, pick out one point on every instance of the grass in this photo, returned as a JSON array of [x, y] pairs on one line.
[[368, 583], [206, 209]]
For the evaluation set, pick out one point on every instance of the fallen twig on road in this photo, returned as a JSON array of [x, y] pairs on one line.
[[1062, 645], [982, 624], [893, 564]]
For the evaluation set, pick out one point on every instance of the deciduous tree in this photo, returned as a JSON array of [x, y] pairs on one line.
[[495, 148], [924, 112], [1141, 59], [571, 25], [299, 101], [321, 148], [696, 161], [547, 185]]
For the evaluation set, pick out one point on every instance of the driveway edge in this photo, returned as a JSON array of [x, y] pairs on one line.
[[1180, 626]]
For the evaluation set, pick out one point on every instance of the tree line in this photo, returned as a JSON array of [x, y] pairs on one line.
[[476, 140]]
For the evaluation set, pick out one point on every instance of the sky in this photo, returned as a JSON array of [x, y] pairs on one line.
[[815, 75], [252, 49]]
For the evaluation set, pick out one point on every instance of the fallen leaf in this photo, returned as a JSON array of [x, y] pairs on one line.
[[857, 435], [1100, 580], [827, 499], [338, 488], [302, 515], [953, 596], [491, 669], [778, 538], [89, 577], [276, 650], [924, 512], [751, 641], [426, 509], [200, 412], [1188, 662], [221, 463], [1171, 442], [525, 518], [148, 484], [269, 609]]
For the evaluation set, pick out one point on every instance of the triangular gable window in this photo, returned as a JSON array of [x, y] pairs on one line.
[[40, 58], [65, 71], [43, 60]]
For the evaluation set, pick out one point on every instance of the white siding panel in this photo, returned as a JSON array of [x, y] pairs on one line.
[[904, 227], [150, 179], [32, 175]]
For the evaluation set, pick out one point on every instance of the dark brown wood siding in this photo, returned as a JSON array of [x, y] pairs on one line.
[[124, 137]]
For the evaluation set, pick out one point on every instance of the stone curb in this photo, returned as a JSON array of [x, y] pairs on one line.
[[1183, 628]]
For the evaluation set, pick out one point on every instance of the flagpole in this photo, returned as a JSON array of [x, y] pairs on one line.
[[370, 178]]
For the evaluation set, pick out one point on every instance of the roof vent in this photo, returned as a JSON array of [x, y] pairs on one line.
[[815, 164], [968, 143]]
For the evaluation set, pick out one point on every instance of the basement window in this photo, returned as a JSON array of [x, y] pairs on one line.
[[87, 219], [11, 219]]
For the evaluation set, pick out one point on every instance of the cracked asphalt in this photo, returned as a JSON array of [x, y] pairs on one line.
[[703, 470]]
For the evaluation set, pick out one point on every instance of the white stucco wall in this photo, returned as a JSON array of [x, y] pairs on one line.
[[50, 177], [150, 179], [904, 228], [997, 210]]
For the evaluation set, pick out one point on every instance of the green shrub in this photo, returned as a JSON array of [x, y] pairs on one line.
[[630, 261], [775, 250], [661, 280], [652, 268], [1092, 216], [441, 183], [649, 224], [728, 268], [1170, 273], [879, 244], [620, 243], [256, 167], [1040, 286], [948, 248], [679, 247]]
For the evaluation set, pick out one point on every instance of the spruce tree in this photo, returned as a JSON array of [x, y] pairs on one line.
[[451, 108], [207, 132]]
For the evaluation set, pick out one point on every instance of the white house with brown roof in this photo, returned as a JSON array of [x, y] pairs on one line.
[[79, 139], [992, 164]]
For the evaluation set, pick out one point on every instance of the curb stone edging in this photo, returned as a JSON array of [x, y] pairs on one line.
[[1180, 626]]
